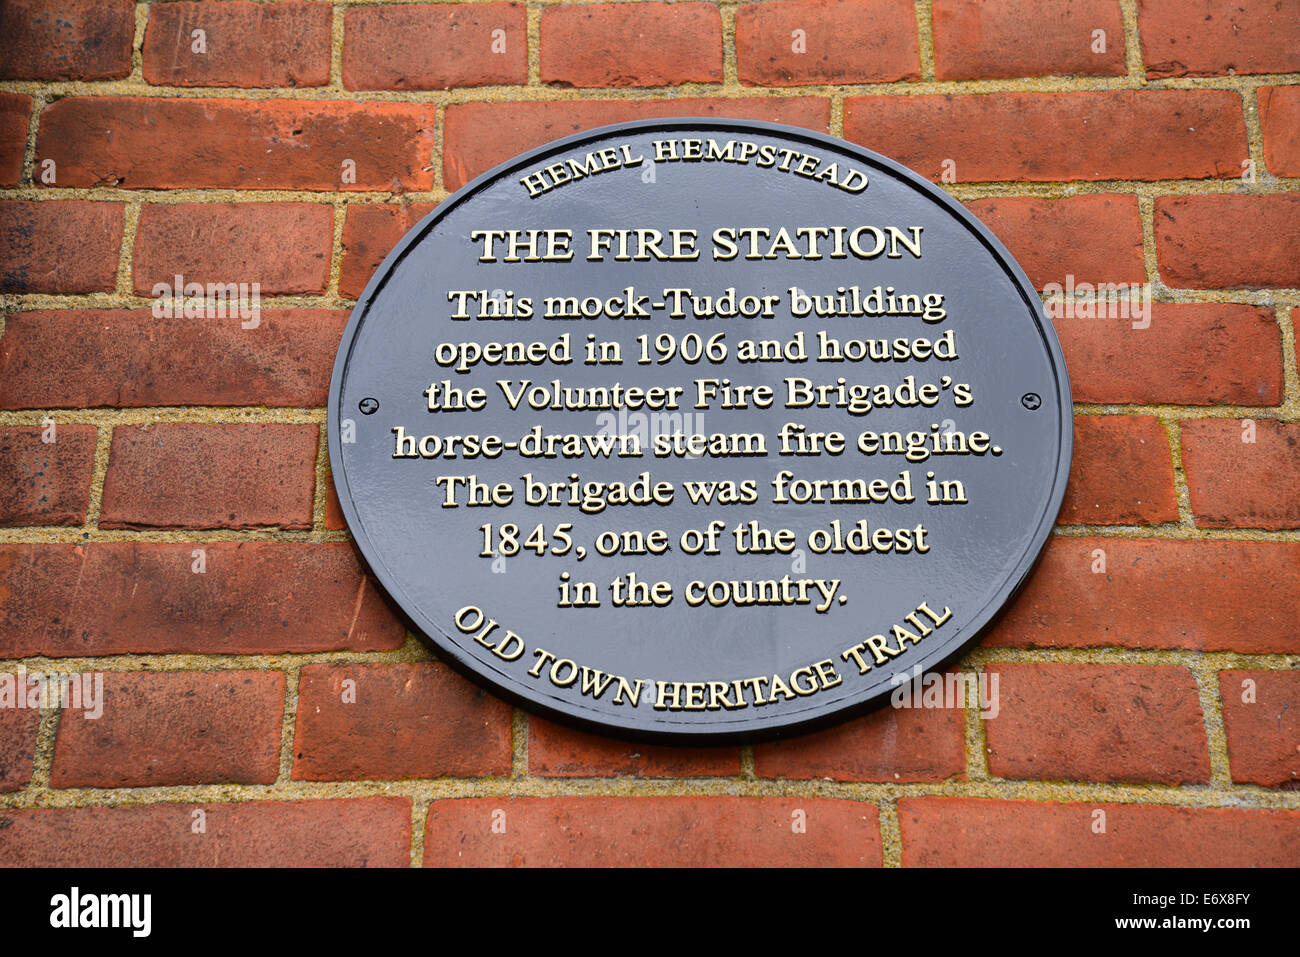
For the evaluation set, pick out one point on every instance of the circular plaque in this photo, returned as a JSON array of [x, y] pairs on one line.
[[699, 430]]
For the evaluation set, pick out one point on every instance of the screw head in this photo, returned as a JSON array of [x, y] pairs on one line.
[[368, 406], [1031, 400]]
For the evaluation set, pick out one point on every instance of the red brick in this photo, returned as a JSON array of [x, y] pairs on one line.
[[1208, 37], [369, 233], [359, 832], [396, 721], [631, 44], [45, 483], [1153, 593], [59, 247], [181, 475], [1096, 238], [652, 832], [15, 112], [75, 359], [157, 598], [1264, 730], [66, 39], [1279, 115], [247, 44], [845, 41], [974, 832], [1212, 242], [1237, 484], [894, 745], [284, 247], [159, 143], [334, 520], [179, 727], [1128, 723], [480, 135], [18, 726], [557, 751], [1191, 354], [1010, 38], [434, 46], [1042, 137], [1122, 473]]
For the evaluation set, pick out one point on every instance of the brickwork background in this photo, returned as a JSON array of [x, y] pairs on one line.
[[1150, 708]]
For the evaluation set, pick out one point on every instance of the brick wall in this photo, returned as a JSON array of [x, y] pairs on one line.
[[179, 535]]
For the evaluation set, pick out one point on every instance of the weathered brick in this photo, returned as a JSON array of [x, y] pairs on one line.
[[892, 745], [283, 247], [1212, 242], [155, 598], [15, 112], [1279, 115], [45, 483], [975, 832], [1152, 593], [478, 136], [439, 46], [357, 832], [18, 726], [826, 41], [1128, 723], [1122, 473], [1261, 715], [1095, 238], [631, 44], [1039, 137], [556, 751], [334, 520], [1009, 38], [181, 475], [385, 722], [160, 143], [1235, 483], [70, 246], [66, 39], [1208, 37], [75, 359], [179, 727], [1190, 354], [246, 44], [369, 234], [652, 832]]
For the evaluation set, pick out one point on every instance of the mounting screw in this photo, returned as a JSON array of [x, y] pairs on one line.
[[1030, 400], [368, 406]]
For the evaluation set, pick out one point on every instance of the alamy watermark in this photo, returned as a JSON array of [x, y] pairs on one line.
[[950, 690], [215, 300], [641, 429], [1103, 300], [76, 909], [35, 689]]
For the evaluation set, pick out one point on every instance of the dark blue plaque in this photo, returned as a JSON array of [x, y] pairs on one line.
[[699, 430]]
